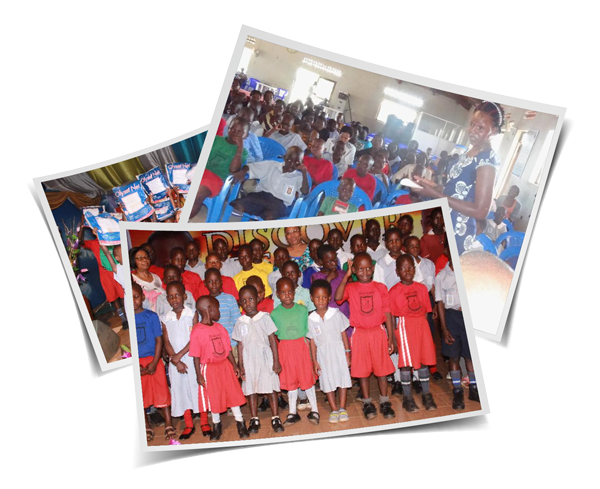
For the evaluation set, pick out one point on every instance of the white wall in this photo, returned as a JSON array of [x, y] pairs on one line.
[[275, 65]]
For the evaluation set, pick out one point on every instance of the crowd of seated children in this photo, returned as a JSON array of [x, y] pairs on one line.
[[370, 315]]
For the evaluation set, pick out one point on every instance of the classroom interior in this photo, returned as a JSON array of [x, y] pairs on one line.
[[440, 118]]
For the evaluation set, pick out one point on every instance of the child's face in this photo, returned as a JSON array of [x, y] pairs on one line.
[[255, 97], [221, 249], [249, 302], [331, 125], [171, 275], [142, 261], [393, 242], [338, 150], [245, 258], [498, 215], [406, 270], [330, 261], [292, 160], [213, 283], [286, 123], [260, 288], [313, 246], [237, 131], [364, 163], [192, 250], [320, 298], [317, 147], [178, 259], [344, 137], [335, 239], [377, 142], [281, 256], [373, 231], [118, 256], [362, 267], [291, 271], [138, 299], [268, 97], [285, 293], [358, 245], [345, 190], [413, 247], [278, 108], [213, 261], [257, 252], [319, 125], [406, 226], [176, 296], [437, 221]]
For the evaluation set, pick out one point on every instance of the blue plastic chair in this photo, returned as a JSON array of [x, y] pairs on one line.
[[512, 238], [271, 149], [336, 173], [215, 204], [392, 196], [313, 201], [381, 192], [487, 243], [510, 256]]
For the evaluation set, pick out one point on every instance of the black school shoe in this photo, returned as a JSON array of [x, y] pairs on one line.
[[386, 409], [276, 424], [282, 403], [417, 387], [473, 393], [428, 402], [458, 402], [263, 406], [254, 426], [437, 376], [369, 410], [314, 417], [185, 435], [409, 405], [242, 430], [291, 419], [397, 389], [217, 430]]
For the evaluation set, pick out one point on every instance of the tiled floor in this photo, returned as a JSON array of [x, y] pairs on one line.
[[441, 391]]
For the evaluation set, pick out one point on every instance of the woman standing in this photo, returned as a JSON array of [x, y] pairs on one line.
[[299, 251], [471, 179], [140, 273]]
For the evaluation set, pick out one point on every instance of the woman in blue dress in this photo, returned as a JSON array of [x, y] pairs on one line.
[[471, 179]]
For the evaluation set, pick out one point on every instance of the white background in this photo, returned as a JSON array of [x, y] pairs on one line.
[[83, 84]]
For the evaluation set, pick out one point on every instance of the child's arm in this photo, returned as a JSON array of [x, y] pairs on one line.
[[346, 348], [157, 351], [313, 354], [176, 358], [446, 336], [304, 189], [275, 351], [434, 312], [236, 163], [199, 376], [241, 360], [339, 293], [107, 253], [392, 348], [173, 358], [236, 369]]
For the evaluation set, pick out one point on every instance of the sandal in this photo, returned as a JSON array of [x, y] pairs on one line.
[[149, 435], [170, 433]]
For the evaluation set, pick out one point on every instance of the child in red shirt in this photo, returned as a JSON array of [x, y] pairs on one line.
[[216, 369], [319, 169], [371, 348], [362, 177], [264, 304], [191, 280], [410, 304]]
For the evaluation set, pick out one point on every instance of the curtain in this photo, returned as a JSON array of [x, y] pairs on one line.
[[56, 199], [189, 149], [81, 184], [160, 158], [118, 174]]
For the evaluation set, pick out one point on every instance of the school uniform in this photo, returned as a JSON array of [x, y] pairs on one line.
[[368, 304], [331, 354], [294, 354], [432, 245], [366, 183], [163, 307], [264, 266], [211, 344], [155, 391], [446, 290], [193, 283], [230, 312], [231, 267], [253, 334], [241, 277], [388, 265], [378, 253], [425, 272], [344, 307], [199, 269], [410, 304], [288, 140], [301, 296], [184, 387]]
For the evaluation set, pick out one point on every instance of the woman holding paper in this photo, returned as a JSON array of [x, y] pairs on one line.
[[139, 261], [471, 179]]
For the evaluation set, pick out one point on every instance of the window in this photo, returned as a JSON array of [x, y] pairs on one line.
[[387, 107], [245, 60], [536, 173], [308, 83]]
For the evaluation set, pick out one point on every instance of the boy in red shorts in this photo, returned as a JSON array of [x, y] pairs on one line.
[[216, 369], [371, 348], [155, 391]]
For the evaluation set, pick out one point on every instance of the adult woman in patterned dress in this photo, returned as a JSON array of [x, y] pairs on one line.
[[298, 249], [471, 179]]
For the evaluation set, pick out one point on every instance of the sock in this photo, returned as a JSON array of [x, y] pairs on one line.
[[472, 381], [415, 375], [293, 399], [394, 358], [312, 399], [455, 376], [187, 417], [237, 413], [405, 376], [302, 395], [383, 399], [424, 378], [216, 418], [203, 418], [368, 400]]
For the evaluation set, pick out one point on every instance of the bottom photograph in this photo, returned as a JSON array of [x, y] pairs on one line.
[[248, 335]]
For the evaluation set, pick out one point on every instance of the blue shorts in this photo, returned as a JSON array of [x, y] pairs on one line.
[[455, 322]]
